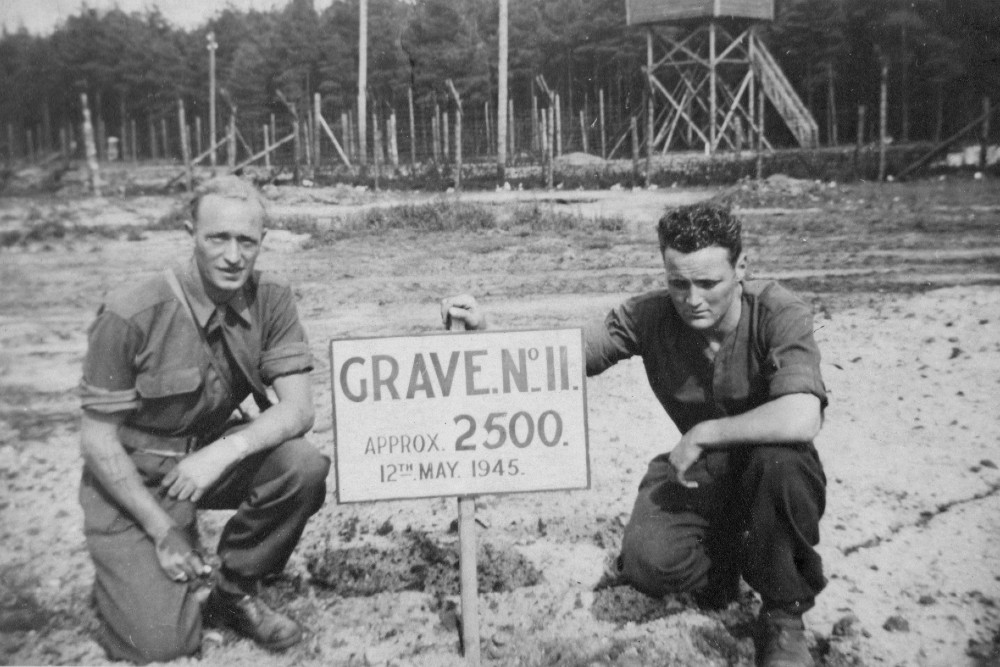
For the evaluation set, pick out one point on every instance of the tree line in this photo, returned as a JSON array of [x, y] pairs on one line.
[[942, 59]]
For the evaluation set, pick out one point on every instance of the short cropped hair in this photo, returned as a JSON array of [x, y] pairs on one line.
[[228, 187], [702, 225]]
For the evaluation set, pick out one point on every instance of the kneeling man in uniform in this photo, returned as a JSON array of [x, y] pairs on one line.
[[170, 359]]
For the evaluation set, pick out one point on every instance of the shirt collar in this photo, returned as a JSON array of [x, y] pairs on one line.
[[203, 306]]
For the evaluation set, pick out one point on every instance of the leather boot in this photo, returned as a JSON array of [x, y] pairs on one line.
[[784, 640], [250, 617]]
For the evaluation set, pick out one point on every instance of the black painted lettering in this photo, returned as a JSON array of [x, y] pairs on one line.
[[419, 379], [517, 372], [471, 370], [379, 380], [563, 367], [550, 370], [445, 379], [363, 393]]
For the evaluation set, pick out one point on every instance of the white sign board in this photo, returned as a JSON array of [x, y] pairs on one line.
[[459, 414]]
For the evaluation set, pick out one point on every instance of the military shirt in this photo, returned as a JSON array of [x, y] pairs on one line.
[[770, 353], [145, 357]]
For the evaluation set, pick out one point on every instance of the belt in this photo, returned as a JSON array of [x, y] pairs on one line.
[[136, 440]]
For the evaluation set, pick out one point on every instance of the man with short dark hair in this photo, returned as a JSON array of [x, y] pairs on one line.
[[734, 364], [169, 361]]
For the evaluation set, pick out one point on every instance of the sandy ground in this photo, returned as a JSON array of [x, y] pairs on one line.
[[906, 318]]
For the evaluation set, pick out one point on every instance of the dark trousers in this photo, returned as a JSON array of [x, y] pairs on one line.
[[146, 616], [755, 513]]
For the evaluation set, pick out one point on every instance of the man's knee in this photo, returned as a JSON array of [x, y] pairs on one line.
[[662, 564], [788, 472], [170, 644], [141, 639], [306, 467]]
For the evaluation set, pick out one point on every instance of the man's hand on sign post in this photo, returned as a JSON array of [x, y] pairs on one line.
[[462, 308]]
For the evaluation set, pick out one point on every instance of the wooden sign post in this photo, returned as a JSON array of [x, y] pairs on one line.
[[460, 414]]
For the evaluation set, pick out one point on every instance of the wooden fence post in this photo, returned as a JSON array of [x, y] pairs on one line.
[[883, 121], [152, 137], [550, 178], [634, 129], [458, 135], [133, 140], [197, 135], [435, 131], [604, 136], [558, 125], [267, 147], [317, 115], [413, 131], [185, 148], [393, 142], [231, 140], [536, 140], [583, 132], [88, 138], [166, 136], [511, 131]]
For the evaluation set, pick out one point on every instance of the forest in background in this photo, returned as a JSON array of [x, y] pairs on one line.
[[943, 59]]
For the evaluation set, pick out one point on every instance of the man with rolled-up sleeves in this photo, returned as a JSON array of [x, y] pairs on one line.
[[734, 364], [169, 361]]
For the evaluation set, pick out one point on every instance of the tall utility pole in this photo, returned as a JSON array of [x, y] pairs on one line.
[[212, 46], [502, 96], [362, 82]]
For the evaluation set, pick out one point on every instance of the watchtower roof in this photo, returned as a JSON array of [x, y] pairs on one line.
[[642, 12]]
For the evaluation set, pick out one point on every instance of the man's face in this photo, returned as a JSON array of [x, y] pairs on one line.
[[227, 236], [704, 287]]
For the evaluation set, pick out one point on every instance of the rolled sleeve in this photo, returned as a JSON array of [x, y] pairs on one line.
[[608, 341], [285, 346], [793, 358], [286, 360], [108, 383]]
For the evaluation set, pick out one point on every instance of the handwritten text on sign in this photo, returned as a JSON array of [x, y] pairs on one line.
[[459, 414]]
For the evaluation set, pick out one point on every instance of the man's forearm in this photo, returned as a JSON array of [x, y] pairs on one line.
[[117, 474], [289, 418], [790, 419], [274, 426]]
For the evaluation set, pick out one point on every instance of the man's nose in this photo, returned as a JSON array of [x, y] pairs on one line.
[[231, 253]]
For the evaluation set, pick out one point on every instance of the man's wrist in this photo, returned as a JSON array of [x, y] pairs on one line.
[[158, 528], [237, 445]]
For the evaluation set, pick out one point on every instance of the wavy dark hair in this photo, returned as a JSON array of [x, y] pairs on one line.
[[701, 225]]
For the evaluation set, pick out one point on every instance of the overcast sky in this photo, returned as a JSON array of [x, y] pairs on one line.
[[41, 16]]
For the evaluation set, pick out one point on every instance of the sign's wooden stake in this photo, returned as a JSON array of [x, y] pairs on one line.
[[470, 584]]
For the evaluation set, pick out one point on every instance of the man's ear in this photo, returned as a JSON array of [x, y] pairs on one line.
[[741, 265], [263, 233]]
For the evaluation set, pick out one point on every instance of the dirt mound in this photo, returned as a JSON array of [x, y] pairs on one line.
[[416, 562]]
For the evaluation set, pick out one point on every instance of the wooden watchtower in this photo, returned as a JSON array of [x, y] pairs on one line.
[[709, 74]]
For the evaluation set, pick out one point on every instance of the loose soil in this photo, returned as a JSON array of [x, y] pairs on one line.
[[903, 281]]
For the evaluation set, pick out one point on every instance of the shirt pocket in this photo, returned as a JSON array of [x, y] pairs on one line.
[[166, 383], [169, 397]]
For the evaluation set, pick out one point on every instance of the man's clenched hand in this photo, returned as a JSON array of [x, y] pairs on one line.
[[688, 450], [196, 473], [462, 308], [178, 557]]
